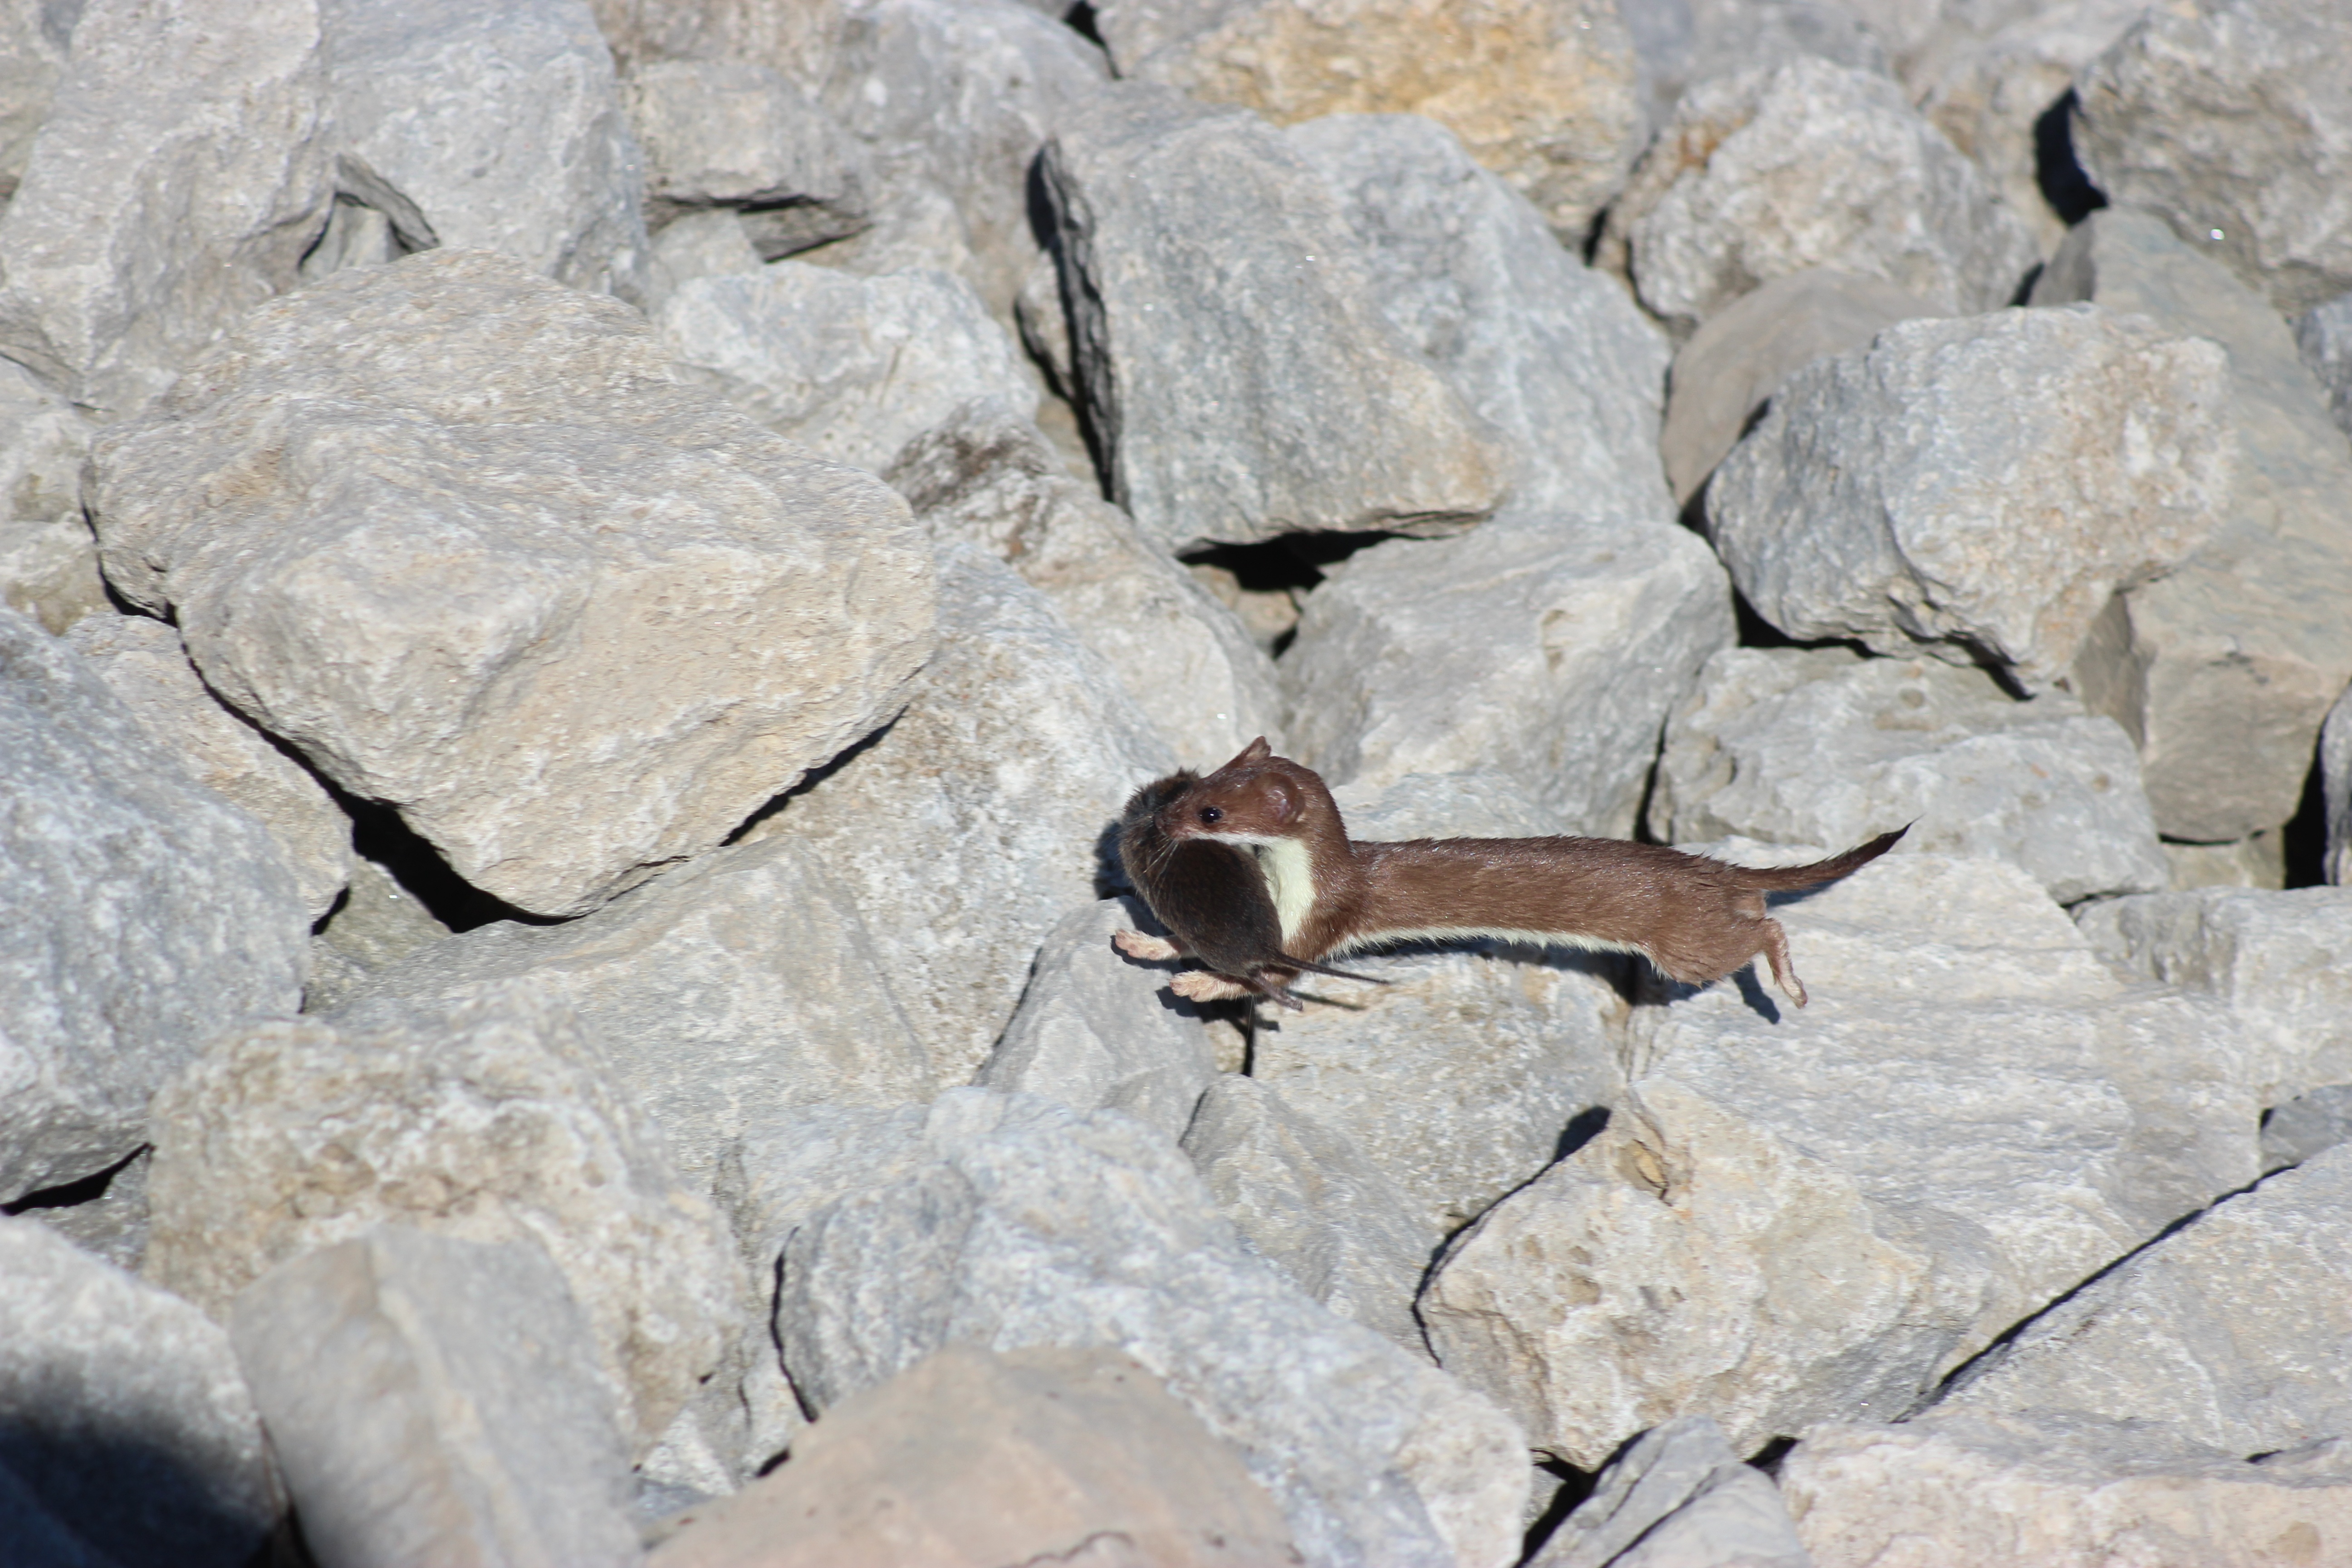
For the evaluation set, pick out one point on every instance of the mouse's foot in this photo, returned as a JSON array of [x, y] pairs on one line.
[[1151, 949], [1200, 986]]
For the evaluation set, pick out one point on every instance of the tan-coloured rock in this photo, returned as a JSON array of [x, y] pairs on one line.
[[729, 135], [49, 571]]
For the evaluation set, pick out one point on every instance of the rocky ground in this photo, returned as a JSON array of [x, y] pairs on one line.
[[585, 579]]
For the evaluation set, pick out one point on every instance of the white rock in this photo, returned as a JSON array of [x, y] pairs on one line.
[[737, 137], [480, 556], [1677, 1498]]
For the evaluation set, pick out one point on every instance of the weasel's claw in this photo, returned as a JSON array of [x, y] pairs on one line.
[[1151, 949]]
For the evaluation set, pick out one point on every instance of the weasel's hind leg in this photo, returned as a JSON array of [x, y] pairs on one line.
[[1776, 953], [1201, 986]]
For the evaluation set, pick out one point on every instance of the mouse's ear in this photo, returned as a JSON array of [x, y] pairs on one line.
[[1257, 750]]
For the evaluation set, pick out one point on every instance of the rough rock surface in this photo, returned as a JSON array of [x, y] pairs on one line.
[[414, 575], [2336, 790], [378, 922], [2307, 1125], [1824, 746], [489, 1117], [2069, 455], [1679, 46], [2323, 335], [43, 440], [741, 139], [49, 571], [177, 180], [1541, 91], [1677, 1498], [1232, 393], [35, 41], [1479, 803], [122, 1413], [433, 1400], [143, 914]]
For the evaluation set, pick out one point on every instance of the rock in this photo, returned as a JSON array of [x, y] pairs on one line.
[[144, 664], [1232, 394], [976, 820], [176, 181], [2257, 860], [48, 572], [2235, 123], [2336, 790], [1734, 363], [987, 477], [433, 1400], [105, 1215], [143, 914], [1824, 746], [1995, 530], [707, 244], [1773, 1230], [1805, 164], [729, 135], [43, 440], [1681, 46], [378, 922], [1989, 1491], [1678, 1497], [494, 128], [1541, 91], [2323, 335], [1549, 648], [969, 1459], [853, 368], [2282, 962], [35, 41], [1014, 1223], [122, 1415], [489, 1117], [2223, 668], [2309, 1124], [1096, 1031], [1480, 802], [1307, 1200], [560, 706]]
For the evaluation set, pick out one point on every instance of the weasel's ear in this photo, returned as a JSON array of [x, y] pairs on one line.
[[1280, 801], [1257, 750]]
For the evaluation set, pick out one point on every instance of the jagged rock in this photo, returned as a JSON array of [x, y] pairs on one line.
[[48, 572], [123, 1416], [143, 914], [1804, 165], [2222, 669], [43, 440], [2235, 123], [1013, 1223], [176, 181], [1825, 746], [490, 1117], [1677, 1498], [433, 1400], [2308, 1124], [975, 821], [1681, 46], [1543, 92], [144, 664], [1996, 530], [1233, 394], [853, 368], [2323, 335], [490, 128], [737, 137], [971, 1459], [378, 922], [415, 576]]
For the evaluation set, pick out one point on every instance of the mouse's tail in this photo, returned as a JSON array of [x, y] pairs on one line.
[[1290, 962]]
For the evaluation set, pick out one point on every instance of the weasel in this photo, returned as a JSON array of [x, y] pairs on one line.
[[1696, 919]]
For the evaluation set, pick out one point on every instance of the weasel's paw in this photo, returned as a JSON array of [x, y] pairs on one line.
[[1151, 949], [1200, 986]]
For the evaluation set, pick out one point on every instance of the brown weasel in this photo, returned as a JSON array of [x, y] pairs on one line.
[[1696, 919]]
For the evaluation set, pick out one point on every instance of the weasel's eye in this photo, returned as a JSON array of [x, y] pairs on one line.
[[1212, 814]]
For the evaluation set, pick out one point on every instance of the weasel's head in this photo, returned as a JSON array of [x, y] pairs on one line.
[[1257, 798]]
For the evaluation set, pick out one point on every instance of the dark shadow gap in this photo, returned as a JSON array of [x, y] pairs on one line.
[[2303, 839], [811, 779], [74, 1194], [379, 835], [1575, 1486], [2056, 170]]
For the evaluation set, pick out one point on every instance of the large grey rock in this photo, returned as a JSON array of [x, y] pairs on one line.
[[739, 137], [1804, 165], [741, 983], [122, 1413], [2222, 669], [1013, 1223], [478, 555], [2281, 962], [1678, 1497], [490, 1117], [1543, 92], [1477, 803], [34, 40], [1550, 648], [1680, 46], [43, 440], [434, 1400], [144, 914], [1233, 394], [2067, 454], [49, 571], [489, 128], [1774, 1229], [1825, 746], [144, 664], [176, 181], [2336, 790], [975, 821], [852, 368], [2323, 335], [2234, 121]]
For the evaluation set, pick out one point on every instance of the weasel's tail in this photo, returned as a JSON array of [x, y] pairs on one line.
[[1781, 878]]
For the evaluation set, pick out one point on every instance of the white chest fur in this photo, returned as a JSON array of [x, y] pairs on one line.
[[1290, 880]]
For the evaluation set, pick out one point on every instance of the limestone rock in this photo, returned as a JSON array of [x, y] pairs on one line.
[[49, 571], [489, 1118], [434, 1400], [1804, 165], [2235, 123], [2068, 454], [1677, 1498], [122, 1413], [2336, 790], [1540, 92], [737, 137], [143, 914], [707, 244], [43, 440], [1233, 393], [1822, 746], [415, 576], [176, 181], [1679, 46], [34, 40], [2307, 1125], [378, 922], [1479, 803], [2323, 334]]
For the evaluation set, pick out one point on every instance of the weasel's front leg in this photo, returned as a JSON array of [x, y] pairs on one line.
[[1151, 949]]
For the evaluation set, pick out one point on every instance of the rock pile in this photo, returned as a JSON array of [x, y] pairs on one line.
[[582, 582]]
